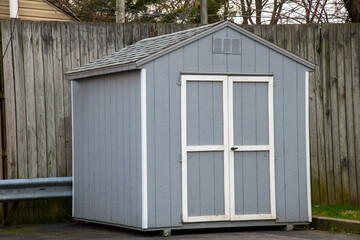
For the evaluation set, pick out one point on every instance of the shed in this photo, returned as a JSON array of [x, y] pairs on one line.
[[201, 128]]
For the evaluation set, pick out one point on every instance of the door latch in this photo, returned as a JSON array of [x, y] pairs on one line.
[[234, 148]]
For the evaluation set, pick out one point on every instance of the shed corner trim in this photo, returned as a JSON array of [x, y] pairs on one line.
[[144, 187]]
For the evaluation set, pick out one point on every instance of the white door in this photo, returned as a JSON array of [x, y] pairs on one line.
[[227, 148]]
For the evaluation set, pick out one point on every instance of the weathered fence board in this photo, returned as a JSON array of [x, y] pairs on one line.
[[66, 57], [38, 100], [355, 60], [20, 101]]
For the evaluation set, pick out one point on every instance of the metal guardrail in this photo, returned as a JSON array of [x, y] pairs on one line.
[[36, 188]]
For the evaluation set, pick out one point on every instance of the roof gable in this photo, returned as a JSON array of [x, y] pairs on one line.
[[146, 50]]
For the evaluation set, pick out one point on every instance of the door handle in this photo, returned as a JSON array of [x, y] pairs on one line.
[[234, 148]]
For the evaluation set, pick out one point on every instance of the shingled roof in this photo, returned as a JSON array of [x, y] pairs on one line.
[[137, 54], [142, 49]]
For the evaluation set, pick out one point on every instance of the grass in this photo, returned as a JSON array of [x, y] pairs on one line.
[[343, 212]]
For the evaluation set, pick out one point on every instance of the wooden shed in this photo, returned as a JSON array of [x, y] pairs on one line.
[[201, 128]]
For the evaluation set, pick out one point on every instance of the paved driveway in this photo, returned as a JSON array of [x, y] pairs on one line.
[[67, 231]]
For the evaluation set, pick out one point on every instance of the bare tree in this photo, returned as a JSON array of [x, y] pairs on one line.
[[241, 11], [291, 11]]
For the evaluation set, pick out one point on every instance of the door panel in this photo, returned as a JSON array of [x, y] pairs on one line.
[[204, 113], [252, 188], [206, 183], [251, 138], [204, 148], [250, 110]]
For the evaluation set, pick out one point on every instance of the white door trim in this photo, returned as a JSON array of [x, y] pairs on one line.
[[272, 146], [185, 148], [205, 148], [228, 126], [244, 148]]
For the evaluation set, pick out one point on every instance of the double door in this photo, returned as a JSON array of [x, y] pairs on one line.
[[227, 148]]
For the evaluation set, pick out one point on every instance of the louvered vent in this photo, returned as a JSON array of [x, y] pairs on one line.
[[227, 45]]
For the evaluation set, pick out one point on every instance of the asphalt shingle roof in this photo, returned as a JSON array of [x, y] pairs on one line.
[[142, 49]]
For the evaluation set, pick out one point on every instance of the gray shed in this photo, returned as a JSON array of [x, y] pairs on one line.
[[202, 128]]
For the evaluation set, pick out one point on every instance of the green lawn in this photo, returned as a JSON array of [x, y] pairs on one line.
[[344, 212]]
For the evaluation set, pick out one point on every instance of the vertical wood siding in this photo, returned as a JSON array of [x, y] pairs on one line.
[[107, 149]]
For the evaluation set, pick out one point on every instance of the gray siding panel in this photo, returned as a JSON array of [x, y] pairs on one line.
[[263, 178], [205, 183], [248, 55], [206, 56], [262, 113], [107, 169], [191, 57], [234, 61], [276, 67], [163, 106], [162, 137], [204, 113], [252, 189], [262, 56], [290, 143], [302, 142], [175, 62], [251, 125], [150, 95]]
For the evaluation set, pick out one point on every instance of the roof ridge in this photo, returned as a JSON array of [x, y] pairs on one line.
[[179, 32]]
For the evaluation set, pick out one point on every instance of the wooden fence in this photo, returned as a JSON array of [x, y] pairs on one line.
[[37, 140], [334, 104]]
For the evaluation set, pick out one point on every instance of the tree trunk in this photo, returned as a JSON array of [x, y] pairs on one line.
[[258, 6], [353, 8]]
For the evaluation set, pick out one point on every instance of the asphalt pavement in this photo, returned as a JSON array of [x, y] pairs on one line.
[[70, 231]]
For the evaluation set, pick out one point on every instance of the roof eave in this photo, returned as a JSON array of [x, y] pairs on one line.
[[100, 71]]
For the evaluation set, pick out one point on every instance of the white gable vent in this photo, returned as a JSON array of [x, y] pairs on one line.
[[227, 45]]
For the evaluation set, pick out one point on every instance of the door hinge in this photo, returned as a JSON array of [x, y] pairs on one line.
[[180, 158]]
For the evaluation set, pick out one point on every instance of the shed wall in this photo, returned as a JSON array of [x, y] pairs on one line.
[[107, 149], [164, 132]]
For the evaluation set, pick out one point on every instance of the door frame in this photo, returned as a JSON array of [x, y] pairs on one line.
[[229, 188], [185, 149], [252, 148]]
